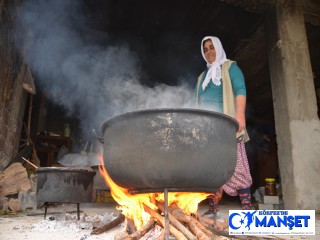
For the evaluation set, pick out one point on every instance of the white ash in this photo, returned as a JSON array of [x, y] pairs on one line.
[[70, 223], [153, 233], [108, 218]]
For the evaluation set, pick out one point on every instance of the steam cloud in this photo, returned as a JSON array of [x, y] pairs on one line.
[[92, 81]]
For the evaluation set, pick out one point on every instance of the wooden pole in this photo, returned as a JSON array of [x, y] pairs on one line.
[[30, 163]]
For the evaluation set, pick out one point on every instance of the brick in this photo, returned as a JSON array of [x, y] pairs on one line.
[[271, 199]]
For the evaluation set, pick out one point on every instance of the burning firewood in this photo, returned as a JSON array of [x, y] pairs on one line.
[[140, 233], [177, 224], [131, 228], [200, 230], [182, 226], [109, 225], [175, 232], [180, 215]]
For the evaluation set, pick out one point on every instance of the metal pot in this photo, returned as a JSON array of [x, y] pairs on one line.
[[175, 149], [63, 184]]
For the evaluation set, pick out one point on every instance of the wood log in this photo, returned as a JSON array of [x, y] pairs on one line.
[[14, 179], [179, 214], [121, 235], [207, 231], [141, 232], [175, 222], [217, 224], [153, 199], [131, 228], [177, 234], [197, 231], [182, 216], [109, 225], [205, 220], [14, 205]]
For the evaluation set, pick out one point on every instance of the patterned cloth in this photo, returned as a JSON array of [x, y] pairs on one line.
[[245, 197], [241, 177], [214, 200]]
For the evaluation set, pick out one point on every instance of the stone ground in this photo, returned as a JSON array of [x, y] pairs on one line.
[[30, 224]]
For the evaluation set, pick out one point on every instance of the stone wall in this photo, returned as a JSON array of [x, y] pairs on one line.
[[12, 95]]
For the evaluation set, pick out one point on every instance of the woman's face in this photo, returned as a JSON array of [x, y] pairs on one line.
[[209, 51]]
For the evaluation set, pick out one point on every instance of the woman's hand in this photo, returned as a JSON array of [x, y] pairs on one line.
[[242, 122]]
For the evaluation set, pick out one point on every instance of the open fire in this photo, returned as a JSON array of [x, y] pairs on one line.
[[142, 209], [132, 205]]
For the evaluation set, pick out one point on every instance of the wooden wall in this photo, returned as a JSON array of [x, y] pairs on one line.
[[12, 95]]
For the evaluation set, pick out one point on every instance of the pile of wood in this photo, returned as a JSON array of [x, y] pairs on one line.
[[13, 180], [182, 226]]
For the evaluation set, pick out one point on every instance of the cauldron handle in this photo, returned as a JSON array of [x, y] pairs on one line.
[[100, 139]]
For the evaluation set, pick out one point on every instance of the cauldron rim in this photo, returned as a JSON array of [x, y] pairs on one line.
[[65, 169], [116, 118]]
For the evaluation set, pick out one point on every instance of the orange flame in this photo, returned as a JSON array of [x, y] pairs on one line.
[[131, 205]]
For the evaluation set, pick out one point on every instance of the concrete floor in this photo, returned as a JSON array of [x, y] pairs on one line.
[[24, 226]]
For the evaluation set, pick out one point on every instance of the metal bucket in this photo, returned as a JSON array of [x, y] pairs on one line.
[[63, 184]]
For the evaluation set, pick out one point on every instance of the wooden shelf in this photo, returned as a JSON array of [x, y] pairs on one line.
[[48, 147]]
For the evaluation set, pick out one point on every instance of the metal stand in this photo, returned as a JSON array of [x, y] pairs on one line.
[[46, 208], [78, 210], [166, 215]]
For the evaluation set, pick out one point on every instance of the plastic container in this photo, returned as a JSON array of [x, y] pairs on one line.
[[66, 130], [270, 188]]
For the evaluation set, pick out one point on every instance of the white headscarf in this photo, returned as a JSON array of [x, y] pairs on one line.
[[214, 72]]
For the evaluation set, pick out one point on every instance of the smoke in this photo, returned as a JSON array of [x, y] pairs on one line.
[[90, 80]]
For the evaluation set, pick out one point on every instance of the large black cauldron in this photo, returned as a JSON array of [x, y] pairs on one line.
[[176, 149]]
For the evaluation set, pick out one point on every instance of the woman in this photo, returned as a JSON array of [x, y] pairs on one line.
[[221, 88]]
